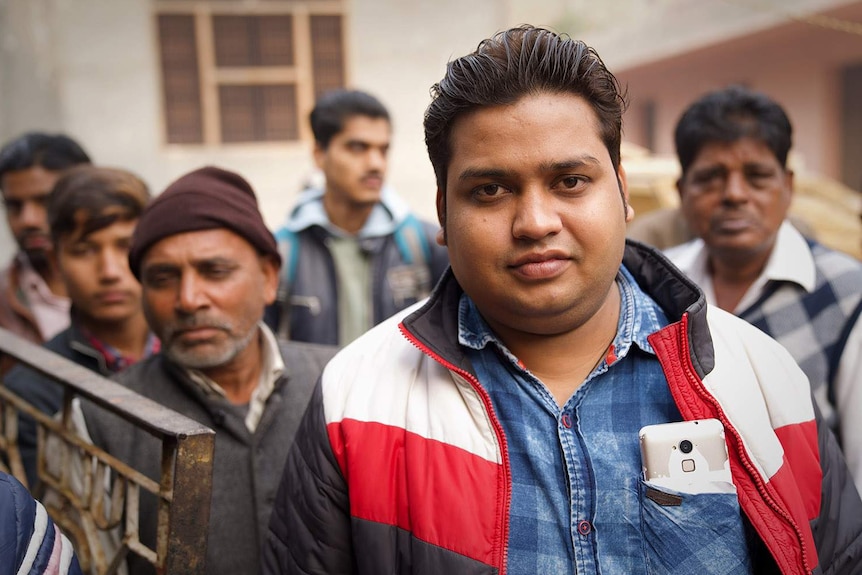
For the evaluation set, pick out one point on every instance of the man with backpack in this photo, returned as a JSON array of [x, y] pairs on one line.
[[353, 253]]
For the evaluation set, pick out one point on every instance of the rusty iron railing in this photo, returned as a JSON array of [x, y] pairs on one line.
[[93, 496]]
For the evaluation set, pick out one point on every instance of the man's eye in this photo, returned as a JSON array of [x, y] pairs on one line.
[[158, 279], [759, 178], [571, 182], [81, 250], [217, 272], [13, 206], [488, 191], [707, 179]]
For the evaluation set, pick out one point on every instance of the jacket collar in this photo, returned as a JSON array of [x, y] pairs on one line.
[[434, 326], [383, 220]]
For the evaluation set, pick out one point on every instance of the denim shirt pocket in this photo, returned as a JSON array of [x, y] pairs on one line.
[[687, 533]]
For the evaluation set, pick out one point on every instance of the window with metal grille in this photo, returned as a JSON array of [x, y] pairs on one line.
[[247, 75]]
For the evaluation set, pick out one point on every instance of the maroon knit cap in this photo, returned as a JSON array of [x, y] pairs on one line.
[[204, 199]]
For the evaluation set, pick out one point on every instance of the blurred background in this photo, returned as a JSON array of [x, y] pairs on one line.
[[161, 87]]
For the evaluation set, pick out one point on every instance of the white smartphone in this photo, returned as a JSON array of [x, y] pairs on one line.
[[686, 456]]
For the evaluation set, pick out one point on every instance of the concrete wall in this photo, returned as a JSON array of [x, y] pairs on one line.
[[798, 63], [89, 68]]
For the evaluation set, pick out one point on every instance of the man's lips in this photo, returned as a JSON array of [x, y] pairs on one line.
[[110, 297], [540, 265], [197, 334], [35, 241], [732, 224], [372, 181]]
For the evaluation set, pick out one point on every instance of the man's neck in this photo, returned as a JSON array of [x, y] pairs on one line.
[[562, 362], [239, 378], [47, 270], [129, 336], [348, 216], [731, 279]]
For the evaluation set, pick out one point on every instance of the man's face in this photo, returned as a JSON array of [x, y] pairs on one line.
[[735, 196], [535, 216], [354, 163], [25, 193], [95, 269], [204, 293]]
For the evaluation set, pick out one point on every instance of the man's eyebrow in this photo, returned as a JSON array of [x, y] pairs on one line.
[[483, 173], [572, 163], [158, 267]]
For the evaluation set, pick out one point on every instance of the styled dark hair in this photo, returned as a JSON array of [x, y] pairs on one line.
[[334, 108], [515, 63], [729, 115], [89, 199], [53, 152]]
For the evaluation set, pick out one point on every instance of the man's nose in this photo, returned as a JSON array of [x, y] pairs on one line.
[[191, 295], [377, 160], [735, 188], [110, 266], [33, 215], [536, 215]]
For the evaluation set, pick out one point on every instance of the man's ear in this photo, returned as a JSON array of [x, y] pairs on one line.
[[789, 181], [270, 270], [319, 154], [624, 192], [441, 216]]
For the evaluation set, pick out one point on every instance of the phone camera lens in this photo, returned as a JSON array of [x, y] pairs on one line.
[[685, 446]]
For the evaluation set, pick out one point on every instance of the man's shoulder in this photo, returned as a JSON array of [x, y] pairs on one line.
[[143, 375], [11, 271], [381, 350], [304, 352], [834, 260]]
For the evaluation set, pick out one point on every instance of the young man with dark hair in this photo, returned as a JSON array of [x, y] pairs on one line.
[[33, 302], [92, 213], [353, 252], [748, 259], [504, 413]]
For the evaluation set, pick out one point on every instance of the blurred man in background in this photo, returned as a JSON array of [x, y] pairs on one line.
[[353, 253], [92, 213], [735, 191], [33, 302]]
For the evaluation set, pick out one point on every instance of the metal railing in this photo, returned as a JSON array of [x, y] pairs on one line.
[[93, 496]]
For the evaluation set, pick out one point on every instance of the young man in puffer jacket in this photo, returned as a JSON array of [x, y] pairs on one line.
[[495, 428]]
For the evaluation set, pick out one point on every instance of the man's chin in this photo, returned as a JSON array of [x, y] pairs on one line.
[[38, 257], [202, 359]]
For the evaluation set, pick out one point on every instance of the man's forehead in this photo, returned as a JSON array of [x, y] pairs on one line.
[[360, 127], [33, 181], [748, 150], [199, 245]]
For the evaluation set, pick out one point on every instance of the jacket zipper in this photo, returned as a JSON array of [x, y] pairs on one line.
[[700, 388], [486, 400]]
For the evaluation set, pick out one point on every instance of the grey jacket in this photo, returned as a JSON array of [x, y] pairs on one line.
[[246, 466]]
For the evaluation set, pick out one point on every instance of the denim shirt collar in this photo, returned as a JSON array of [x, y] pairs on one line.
[[640, 316]]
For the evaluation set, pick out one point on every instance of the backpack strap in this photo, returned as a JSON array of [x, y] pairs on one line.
[[412, 242], [288, 249]]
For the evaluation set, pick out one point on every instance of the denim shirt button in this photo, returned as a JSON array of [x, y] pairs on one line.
[[567, 421], [584, 527]]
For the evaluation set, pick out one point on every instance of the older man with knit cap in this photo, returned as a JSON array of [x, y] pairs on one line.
[[209, 266]]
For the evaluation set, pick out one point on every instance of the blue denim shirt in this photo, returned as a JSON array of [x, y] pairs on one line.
[[578, 501]]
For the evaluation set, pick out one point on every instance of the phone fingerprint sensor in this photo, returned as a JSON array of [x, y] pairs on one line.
[[688, 465]]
